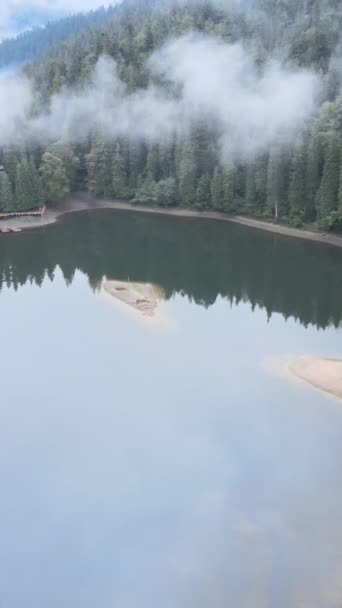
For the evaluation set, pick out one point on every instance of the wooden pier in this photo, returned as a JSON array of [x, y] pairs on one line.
[[11, 214], [15, 214]]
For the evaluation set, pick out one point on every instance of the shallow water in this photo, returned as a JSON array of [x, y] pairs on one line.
[[167, 465]]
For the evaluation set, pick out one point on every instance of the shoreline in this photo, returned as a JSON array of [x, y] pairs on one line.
[[54, 214]]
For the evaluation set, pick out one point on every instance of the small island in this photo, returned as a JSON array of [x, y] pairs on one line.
[[324, 374]]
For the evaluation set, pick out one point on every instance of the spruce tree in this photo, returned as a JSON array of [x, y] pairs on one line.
[[329, 187], [119, 186], [22, 186], [152, 163], [277, 183], [314, 164], [203, 194], [297, 185], [228, 189], [251, 193], [6, 193], [187, 174], [217, 195]]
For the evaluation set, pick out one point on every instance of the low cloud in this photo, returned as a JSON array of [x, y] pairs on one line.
[[209, 80]]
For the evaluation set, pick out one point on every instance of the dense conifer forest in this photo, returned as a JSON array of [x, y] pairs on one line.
[[298, 181]]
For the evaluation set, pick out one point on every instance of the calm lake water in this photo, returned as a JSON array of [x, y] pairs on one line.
[[167, 465]]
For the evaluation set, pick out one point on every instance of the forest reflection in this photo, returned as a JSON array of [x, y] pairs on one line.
[[196, 258]]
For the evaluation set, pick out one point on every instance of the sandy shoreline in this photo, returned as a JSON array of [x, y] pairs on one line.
[[322, 373], [52, 215]]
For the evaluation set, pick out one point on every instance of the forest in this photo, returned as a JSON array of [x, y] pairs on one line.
[[295, 180]]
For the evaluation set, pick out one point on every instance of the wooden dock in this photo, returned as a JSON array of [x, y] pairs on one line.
[[15, 214], [34, 213]]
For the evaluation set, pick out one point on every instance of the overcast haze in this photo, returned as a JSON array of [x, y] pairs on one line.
[[16, 15]]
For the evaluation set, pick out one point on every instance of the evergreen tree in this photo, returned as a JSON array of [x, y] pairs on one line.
[[6, 193], [261, 165], [152, 163], [228, 189], [217, 194], [119, 182], [297, 186], [147, 192], [276, 183], [251, 192], [313, 174], [187, 173], [203, 194], [28, 191], [167, 192], [328, 191]]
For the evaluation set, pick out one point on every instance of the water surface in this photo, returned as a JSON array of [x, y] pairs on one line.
[[166, 465]]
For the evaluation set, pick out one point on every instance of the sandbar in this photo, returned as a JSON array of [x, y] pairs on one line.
[[322, 373], [141, 297]]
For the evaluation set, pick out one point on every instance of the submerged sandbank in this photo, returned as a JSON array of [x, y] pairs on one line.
[[324, 374], [144, 298], [73, 205]]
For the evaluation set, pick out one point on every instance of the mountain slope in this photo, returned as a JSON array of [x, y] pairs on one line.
[[120, 125], [33, 44]]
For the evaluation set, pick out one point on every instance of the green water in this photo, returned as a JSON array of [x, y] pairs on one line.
[[166, 465]]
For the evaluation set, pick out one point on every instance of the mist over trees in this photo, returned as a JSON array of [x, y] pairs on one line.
[[297, 179]]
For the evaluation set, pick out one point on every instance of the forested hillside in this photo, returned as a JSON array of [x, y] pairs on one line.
[[297, 179], [34, 43]]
